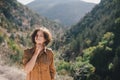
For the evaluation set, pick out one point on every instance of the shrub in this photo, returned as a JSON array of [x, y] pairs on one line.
[[1, 39], [63, 67]]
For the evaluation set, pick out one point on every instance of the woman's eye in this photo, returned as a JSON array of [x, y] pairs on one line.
[[36, 35], [39, 35]]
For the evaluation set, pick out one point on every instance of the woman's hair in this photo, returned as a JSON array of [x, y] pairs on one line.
[[46, 33]]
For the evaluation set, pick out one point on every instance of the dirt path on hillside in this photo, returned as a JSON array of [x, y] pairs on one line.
[[11, 73]]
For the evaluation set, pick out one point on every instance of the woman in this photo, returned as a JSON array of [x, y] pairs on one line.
[[38, 61]]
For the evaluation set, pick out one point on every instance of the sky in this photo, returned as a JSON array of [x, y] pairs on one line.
[[92, 1], [28, 1], [25, 1]]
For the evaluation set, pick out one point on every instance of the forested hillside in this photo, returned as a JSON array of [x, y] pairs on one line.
[[17, 23], [92, 46]]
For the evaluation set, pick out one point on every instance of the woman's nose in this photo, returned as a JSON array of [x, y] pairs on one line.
[[38, 37]]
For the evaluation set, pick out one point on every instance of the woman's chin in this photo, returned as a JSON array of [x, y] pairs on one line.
[[38, 43]]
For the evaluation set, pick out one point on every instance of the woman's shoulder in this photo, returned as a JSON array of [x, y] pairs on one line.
[[49, 50], [28, 50]]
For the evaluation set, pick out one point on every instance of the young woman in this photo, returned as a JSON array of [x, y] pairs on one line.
[[38, 61]]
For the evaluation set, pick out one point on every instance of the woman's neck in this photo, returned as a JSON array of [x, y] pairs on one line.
[[42, 45]]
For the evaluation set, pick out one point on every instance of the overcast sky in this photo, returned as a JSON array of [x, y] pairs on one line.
[[92, 1], [25, 1], [28, 1]]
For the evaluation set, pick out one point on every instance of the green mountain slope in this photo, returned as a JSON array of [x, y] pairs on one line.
[[96, 40], [91, 28]]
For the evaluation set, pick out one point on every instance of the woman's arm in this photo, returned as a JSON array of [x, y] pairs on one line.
[[52, 67], [30, 64]]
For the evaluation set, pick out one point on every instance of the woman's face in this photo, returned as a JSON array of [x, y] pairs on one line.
[[39, 38]]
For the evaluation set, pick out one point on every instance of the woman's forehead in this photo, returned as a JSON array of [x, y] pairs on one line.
[[40, 32]]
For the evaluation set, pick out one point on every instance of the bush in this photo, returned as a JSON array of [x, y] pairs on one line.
[[82, 69], [17, 55], [1, 39], [63, 67]]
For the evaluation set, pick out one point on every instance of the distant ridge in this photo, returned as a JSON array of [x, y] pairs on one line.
[[67, 12]]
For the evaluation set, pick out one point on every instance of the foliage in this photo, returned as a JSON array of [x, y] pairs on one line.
[[1, 39], [96, 38], [100, 55], [89, 30], [82, 69], [95, 63], [63, 67], [16, 57]]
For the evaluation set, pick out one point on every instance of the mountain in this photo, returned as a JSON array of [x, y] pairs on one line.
[[92, 45], [96, 23], [67, 12], [16, 25], [21, 17]]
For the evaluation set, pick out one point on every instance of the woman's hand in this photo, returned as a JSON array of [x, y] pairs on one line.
[[38, 49]]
